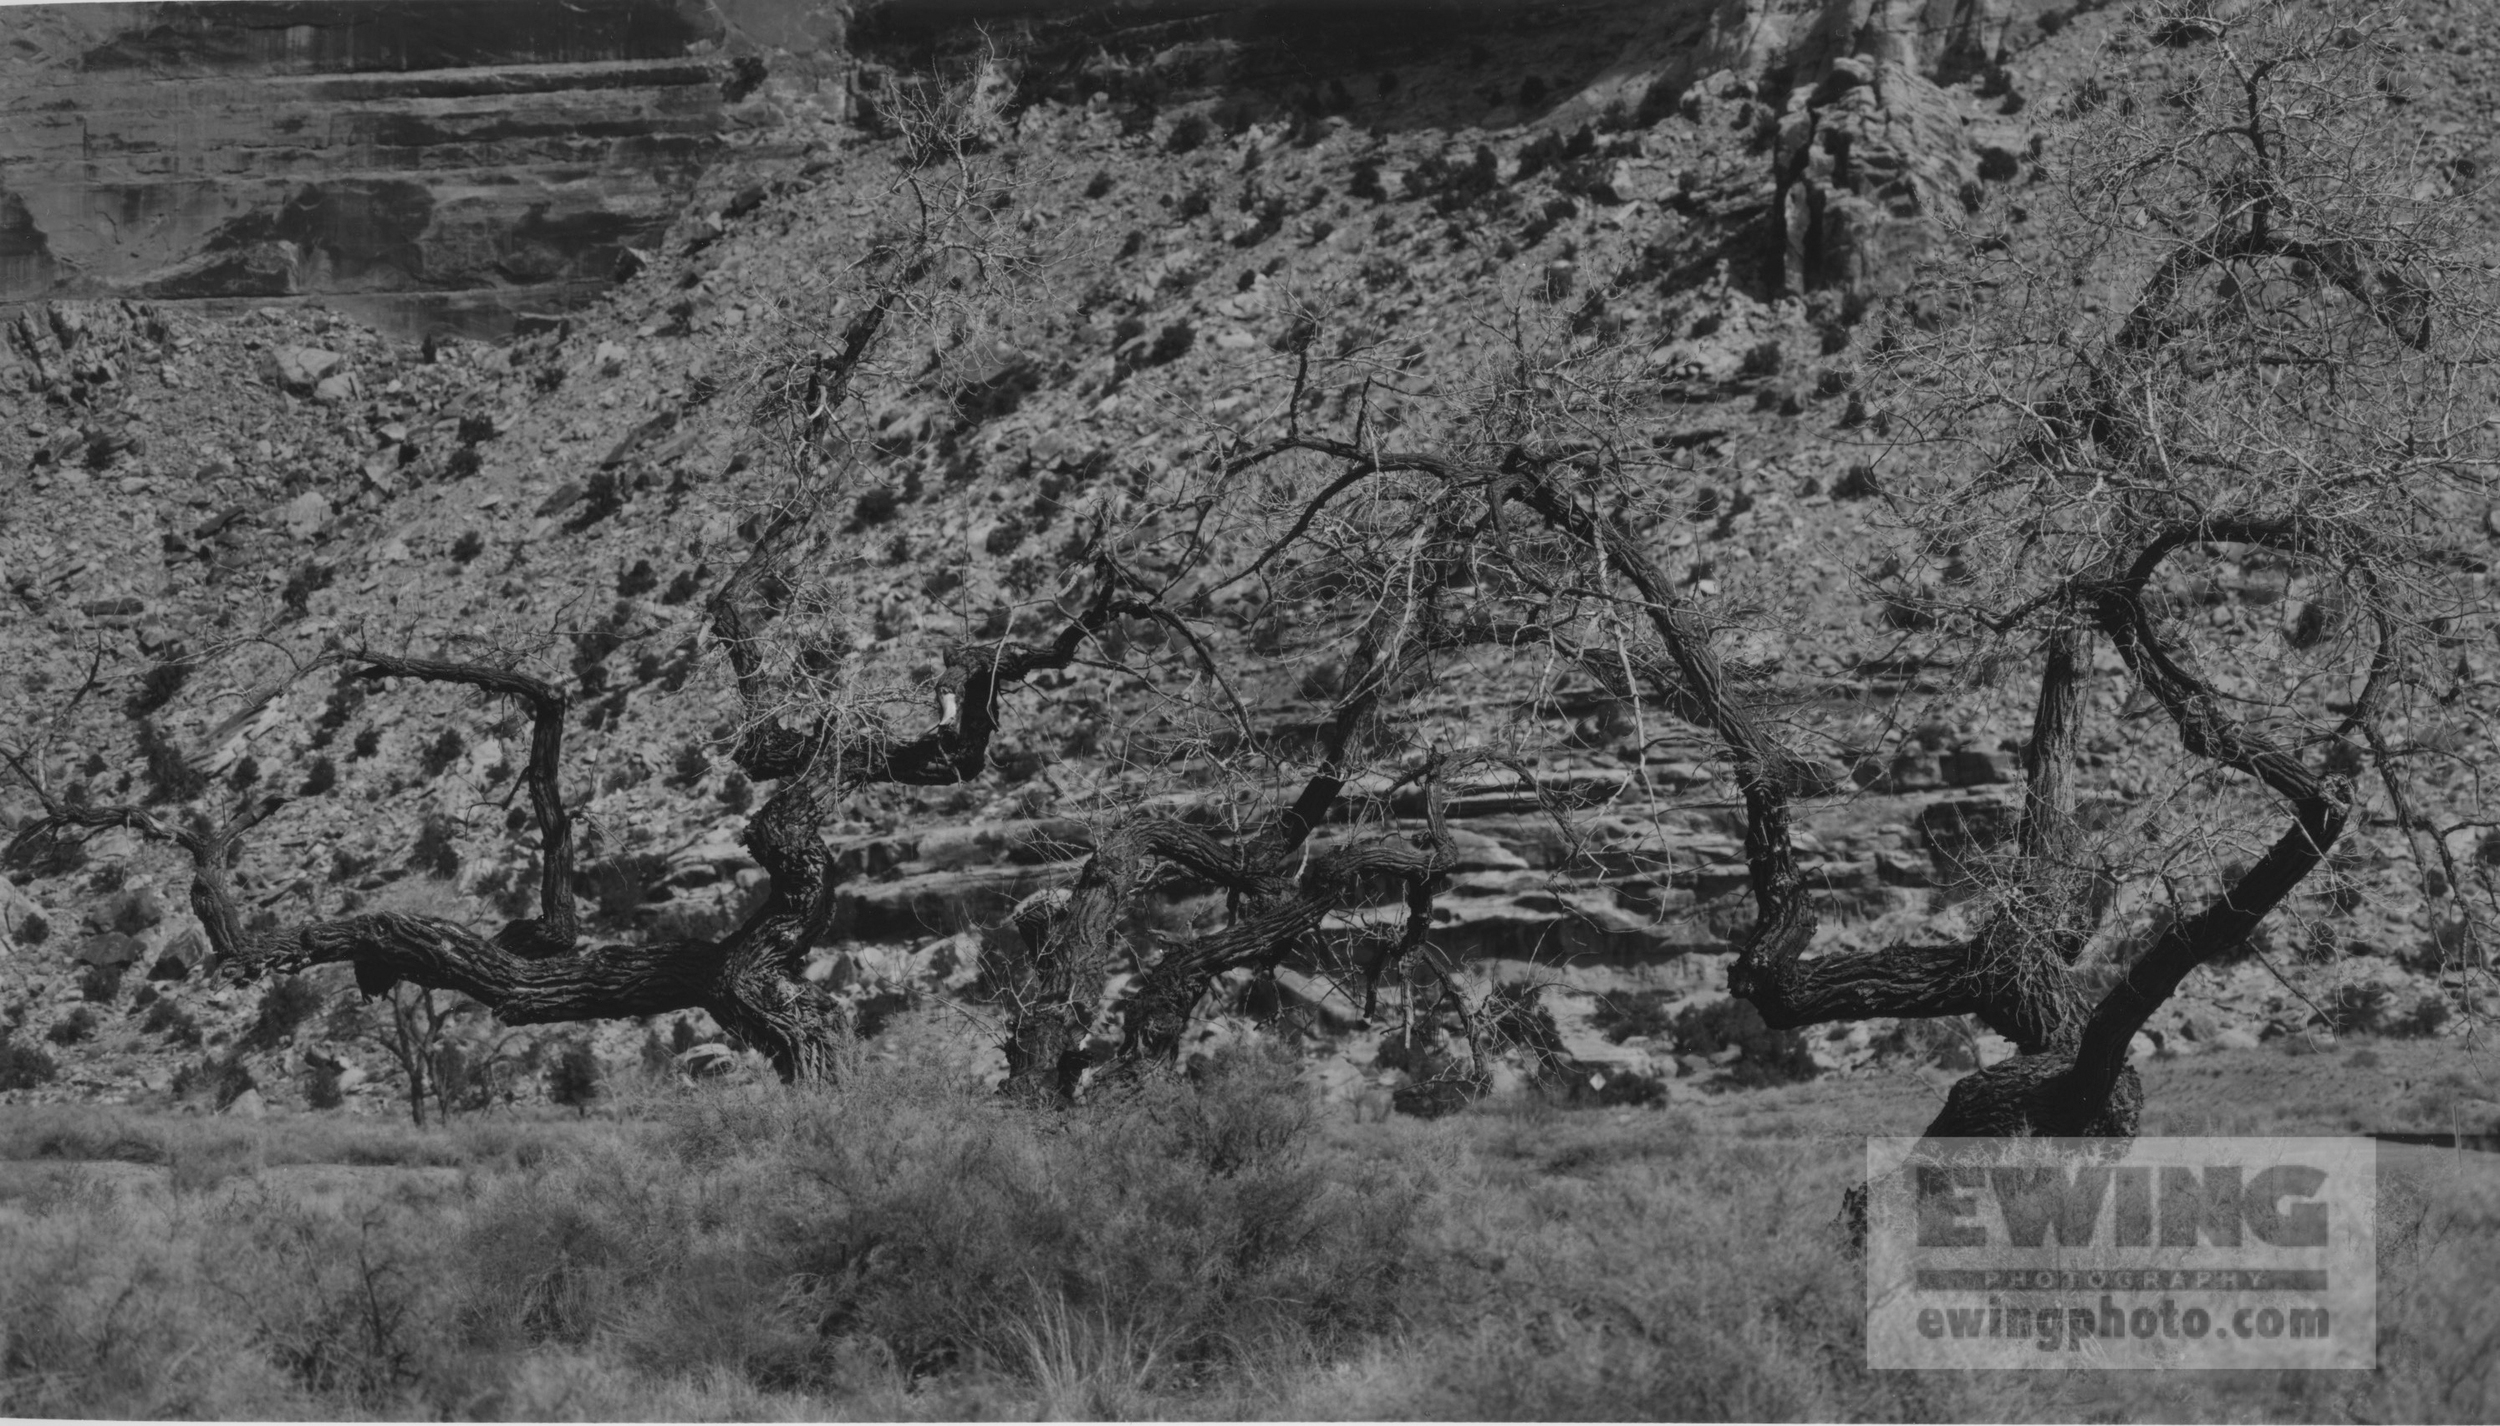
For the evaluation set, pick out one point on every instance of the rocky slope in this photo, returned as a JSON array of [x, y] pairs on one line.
[[217, 496]]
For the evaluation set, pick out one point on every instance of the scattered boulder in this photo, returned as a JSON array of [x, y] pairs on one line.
[[302, 370], [2235, 1038], [182, 956], [22, 922], [1866, 168], [248, 1105], [110, 948]]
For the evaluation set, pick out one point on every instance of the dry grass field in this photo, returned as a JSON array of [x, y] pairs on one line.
[[909, 1247]]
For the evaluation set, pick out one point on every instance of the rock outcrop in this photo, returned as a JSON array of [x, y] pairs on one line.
[[437, 164]]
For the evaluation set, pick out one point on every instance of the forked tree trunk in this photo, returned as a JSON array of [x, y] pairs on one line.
[[536, 970]]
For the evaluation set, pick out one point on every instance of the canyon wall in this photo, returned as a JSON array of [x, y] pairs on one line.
[[446, 164], [422, 162]]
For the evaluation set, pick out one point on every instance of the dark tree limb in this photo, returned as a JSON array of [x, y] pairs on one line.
[[535, 971], [556, 927], [2093, 1090]]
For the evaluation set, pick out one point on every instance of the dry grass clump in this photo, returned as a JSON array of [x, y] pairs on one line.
[[905, 1231], [904, 1245], [907, 1246]]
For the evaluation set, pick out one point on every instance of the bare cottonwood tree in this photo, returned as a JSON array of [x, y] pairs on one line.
[[2229, 333], [2230, 325], [953, 241], [1394, 572]]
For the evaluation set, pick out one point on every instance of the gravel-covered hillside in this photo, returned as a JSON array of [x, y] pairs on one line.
[[192, 506]]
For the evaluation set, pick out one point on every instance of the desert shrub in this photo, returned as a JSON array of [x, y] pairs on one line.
[[508, 890], [101, 985], [573, 1080], [437, 757], [2368, 1008], [321, 1087], [34, 930], [323, 776], [1248, 1111], [171, 778], [77, 1025], [618, 884], [1944, 1043], [467, 1079], [434, 854], [1188, 133], [170, 1020], [158, 686], [469, 546], [1517, 1016], [2421, 1021], [223, 1078], [307, 580], [84, 1132], [1768, 1056], [1621, 1015], [23, 1066], [284, 1007], [346, 696], [876, 505]]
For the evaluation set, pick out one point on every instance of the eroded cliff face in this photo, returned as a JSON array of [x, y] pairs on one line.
[[444, 163], [449, 163]]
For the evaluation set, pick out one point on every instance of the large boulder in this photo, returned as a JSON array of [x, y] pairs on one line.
[[301, 370], [1868, 161], [23, 924], [111, 949], [182, 955]]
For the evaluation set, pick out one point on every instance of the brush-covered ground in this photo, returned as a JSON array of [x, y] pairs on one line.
[[907, 1246]]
